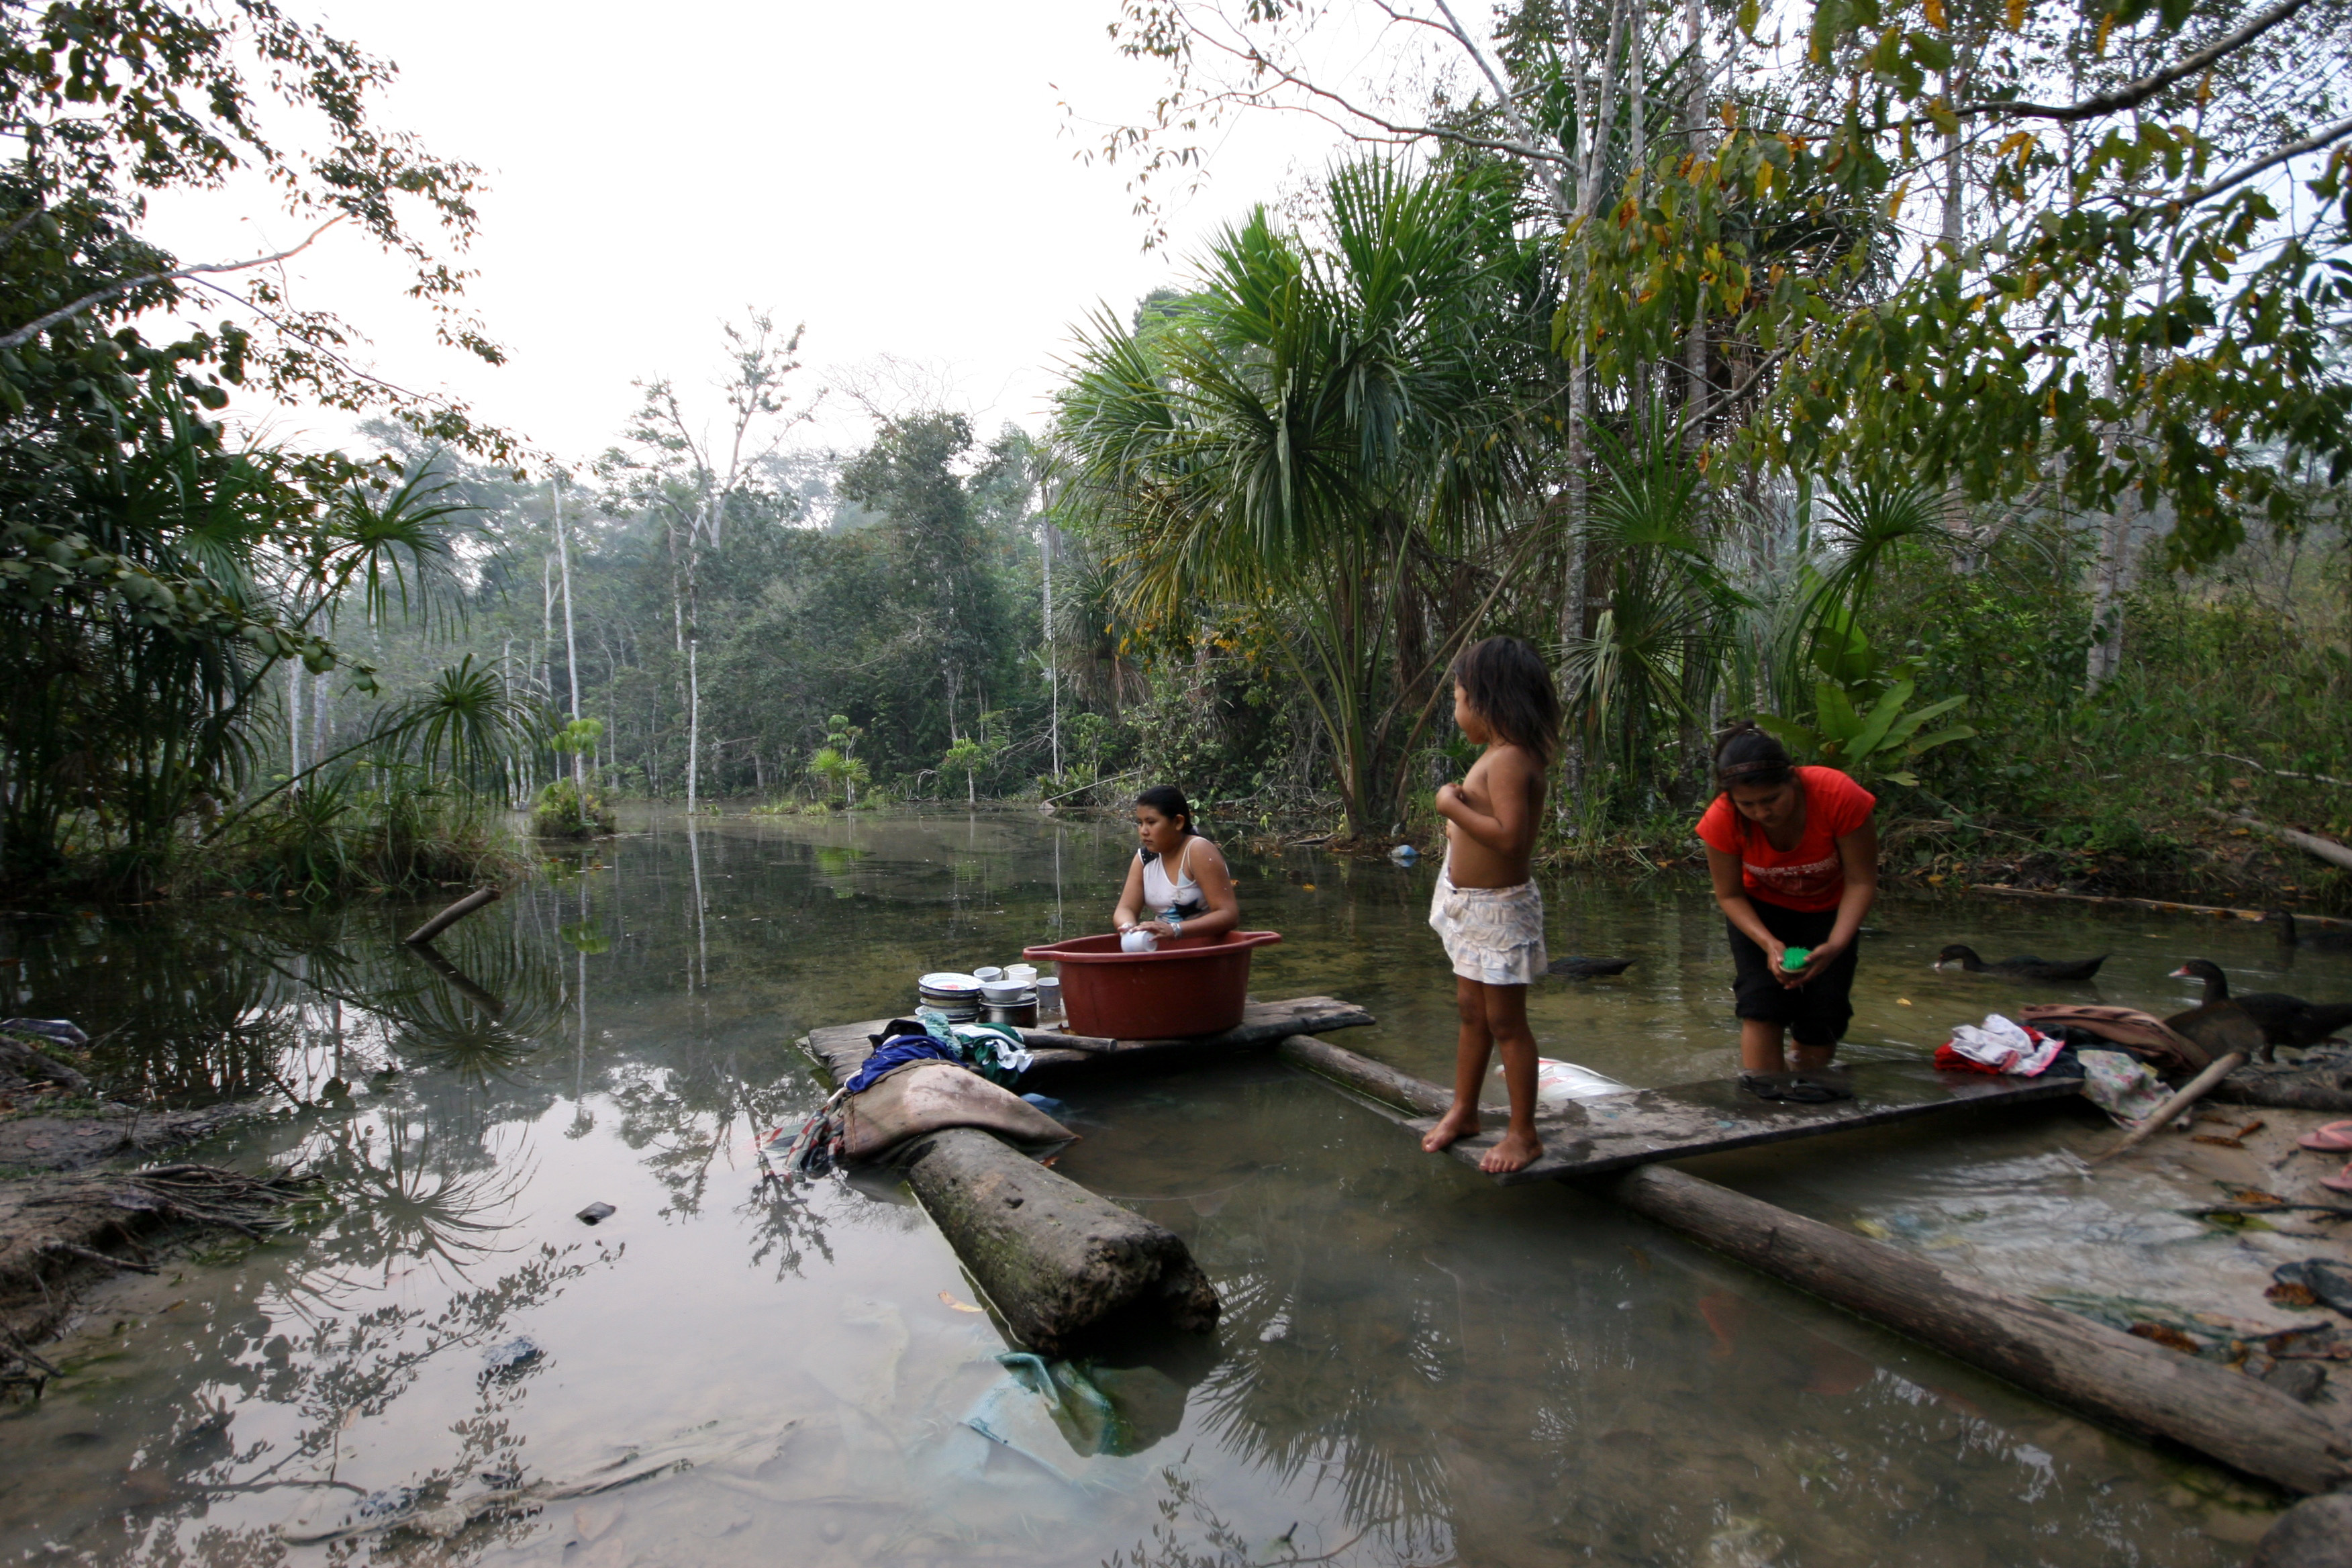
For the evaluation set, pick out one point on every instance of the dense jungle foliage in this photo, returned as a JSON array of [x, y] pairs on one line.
[[1960, 387]]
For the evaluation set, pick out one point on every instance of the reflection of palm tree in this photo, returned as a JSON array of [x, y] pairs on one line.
[[1311, 1378], [402, 1196]]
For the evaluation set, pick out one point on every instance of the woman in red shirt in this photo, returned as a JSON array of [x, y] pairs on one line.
[[1795, 863]]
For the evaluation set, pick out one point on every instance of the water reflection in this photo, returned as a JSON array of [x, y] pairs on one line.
[[1413, 1366]]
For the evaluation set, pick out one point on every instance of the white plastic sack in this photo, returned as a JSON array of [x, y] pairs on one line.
[[1556, 1083]]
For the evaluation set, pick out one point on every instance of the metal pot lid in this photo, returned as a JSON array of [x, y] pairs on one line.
[[948, 981]]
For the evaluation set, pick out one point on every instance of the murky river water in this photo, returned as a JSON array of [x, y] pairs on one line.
[[1413, 1366]]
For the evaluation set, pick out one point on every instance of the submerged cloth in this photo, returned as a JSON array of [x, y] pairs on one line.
[[1808, 876], [1814, 1014], [1180, 898], [1492, 935]]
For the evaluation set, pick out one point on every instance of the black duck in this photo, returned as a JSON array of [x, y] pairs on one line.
[[2024, 966], [2284, 1020], [1574, 968], [2321, 941]]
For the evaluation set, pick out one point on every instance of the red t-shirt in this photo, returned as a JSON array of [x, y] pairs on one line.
[[1808, 877]]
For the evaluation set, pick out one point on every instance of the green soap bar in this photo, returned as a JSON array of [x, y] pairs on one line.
[[1794, 958]]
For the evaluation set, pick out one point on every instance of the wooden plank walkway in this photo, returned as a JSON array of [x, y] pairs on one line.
[[842, 1047], [1625, 1130]]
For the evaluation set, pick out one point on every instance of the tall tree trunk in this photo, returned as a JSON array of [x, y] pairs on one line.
[[571, 644], [294, 724], [2108, 565], [1695, 393]]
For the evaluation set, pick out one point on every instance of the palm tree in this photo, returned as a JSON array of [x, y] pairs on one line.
[[1652, 659], [1283, 438]]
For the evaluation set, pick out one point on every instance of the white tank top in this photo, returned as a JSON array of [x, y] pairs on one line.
[[1182, 895]]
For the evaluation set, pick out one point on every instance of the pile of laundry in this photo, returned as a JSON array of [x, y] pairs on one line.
[[925, 1074], [2116, 1080]]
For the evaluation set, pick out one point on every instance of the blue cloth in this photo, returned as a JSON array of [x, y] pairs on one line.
[[896, 1052]]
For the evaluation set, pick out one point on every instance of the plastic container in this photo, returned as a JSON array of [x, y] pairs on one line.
[[1191, 985]]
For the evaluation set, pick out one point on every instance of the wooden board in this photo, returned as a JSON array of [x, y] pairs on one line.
[[1623, 1129], [842, 1047]]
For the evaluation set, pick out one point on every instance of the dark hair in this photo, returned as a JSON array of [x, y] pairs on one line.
[[1508, 687], [1745, 754], [1169, 802]]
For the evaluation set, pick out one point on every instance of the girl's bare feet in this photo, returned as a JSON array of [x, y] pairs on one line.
[[1512, 1151], [1459, 1123]]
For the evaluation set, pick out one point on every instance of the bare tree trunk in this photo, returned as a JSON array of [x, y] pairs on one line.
[[294, 725], [694, 664], [2109, 566], [571, 644], [1053, 672], [1695, 396]]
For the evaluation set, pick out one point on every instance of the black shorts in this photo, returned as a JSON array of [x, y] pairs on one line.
[[1814, 1014]]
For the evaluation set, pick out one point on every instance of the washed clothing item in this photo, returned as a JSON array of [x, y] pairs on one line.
[[2121, 1085], [1180, 898], [1814, 1014], [1998, 1046], [1493, 935], [895, 1052], [1810, 876]]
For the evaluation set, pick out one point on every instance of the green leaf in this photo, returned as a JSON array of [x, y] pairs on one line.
[[1929, 742], [1834, 714], [1874, 729], [1799, 737], [1910, 722], [1748, 15]]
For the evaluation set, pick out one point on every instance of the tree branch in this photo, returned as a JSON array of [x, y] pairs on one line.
[[39, 324], [2132, 94]]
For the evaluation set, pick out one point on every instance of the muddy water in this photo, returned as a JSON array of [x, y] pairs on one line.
[[1414, 1367]]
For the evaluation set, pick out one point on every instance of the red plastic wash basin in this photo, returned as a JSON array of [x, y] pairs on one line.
[[1193, 985]]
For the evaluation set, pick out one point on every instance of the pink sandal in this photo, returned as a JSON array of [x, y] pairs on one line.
[[2334, 1138], [2341, 1181]]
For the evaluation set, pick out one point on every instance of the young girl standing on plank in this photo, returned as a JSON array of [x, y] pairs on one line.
[[1795, 863], [1486, 909]]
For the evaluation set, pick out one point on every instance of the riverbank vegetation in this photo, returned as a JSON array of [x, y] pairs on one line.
[[1960, 388]]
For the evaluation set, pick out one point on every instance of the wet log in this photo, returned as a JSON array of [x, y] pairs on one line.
[[2113, 1377], [452, 915], [1378, 1079], [2287, 1089], [2132, 1384], [1060, 1265]]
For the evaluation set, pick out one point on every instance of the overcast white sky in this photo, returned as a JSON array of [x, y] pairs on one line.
[[901, 177]]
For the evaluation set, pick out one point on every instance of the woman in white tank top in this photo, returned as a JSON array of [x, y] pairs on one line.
[[1177, 885]]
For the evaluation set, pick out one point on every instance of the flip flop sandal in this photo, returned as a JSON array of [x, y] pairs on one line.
[[1813, 1091], [2334, 1138], [2341, 1181], [1763, 1086]]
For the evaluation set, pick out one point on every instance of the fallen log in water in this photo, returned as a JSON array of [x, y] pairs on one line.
[[1060, 1264], [2287, 1089], [452, 915], [2117, 1378], [2326, 849]]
